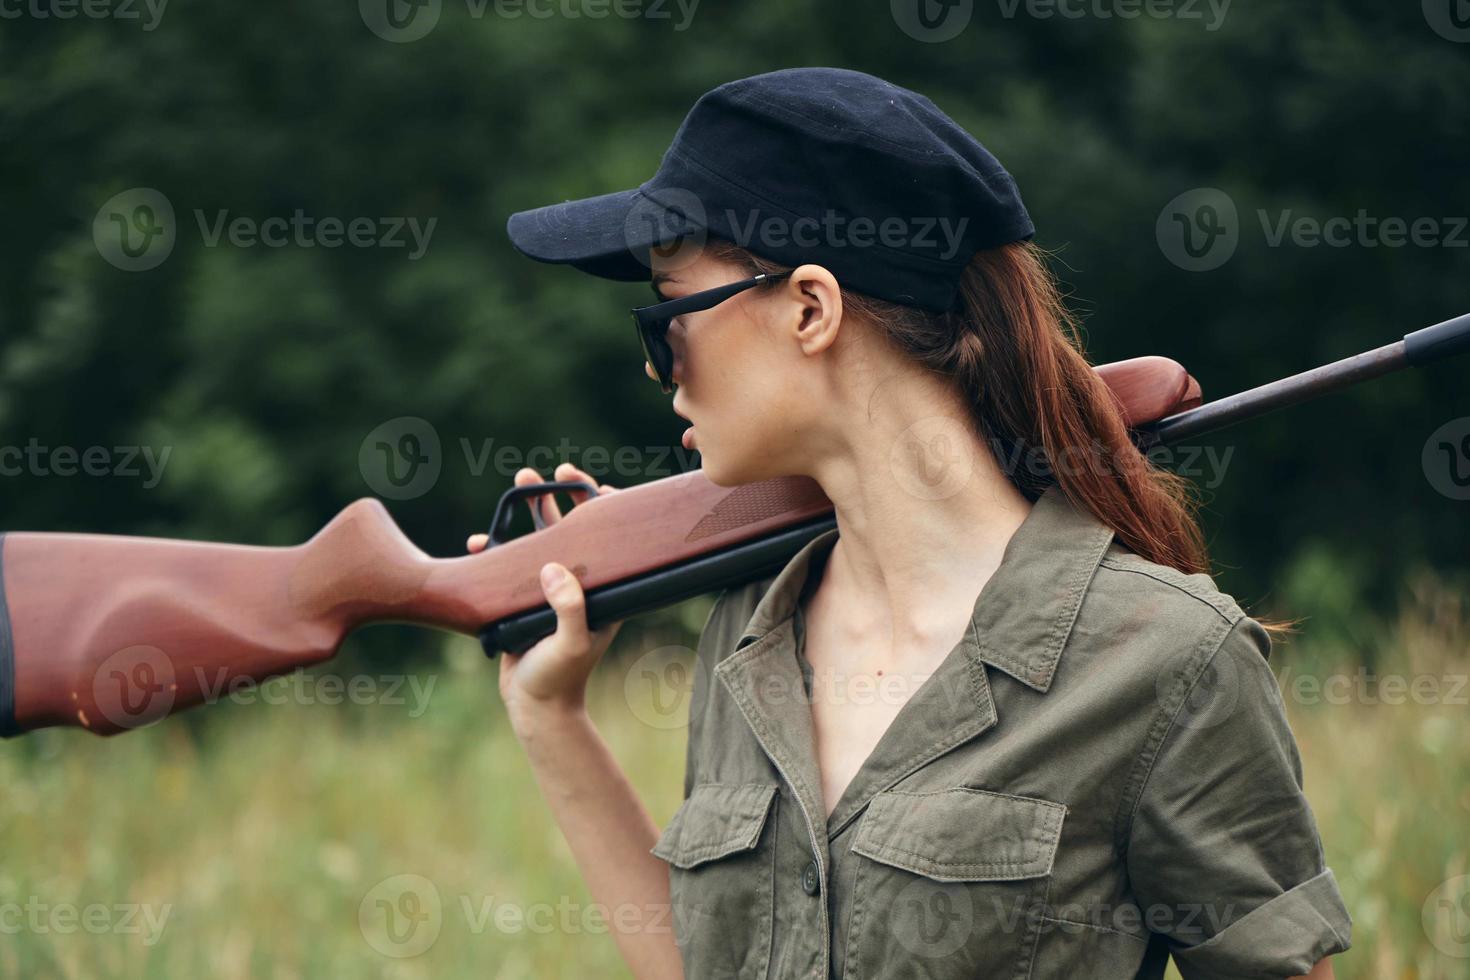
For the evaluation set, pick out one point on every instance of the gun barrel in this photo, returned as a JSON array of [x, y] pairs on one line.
[[1266, 398]]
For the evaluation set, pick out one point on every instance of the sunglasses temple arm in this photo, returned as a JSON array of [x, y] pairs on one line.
[[705, 300]]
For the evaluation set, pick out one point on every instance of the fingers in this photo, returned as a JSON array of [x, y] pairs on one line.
[[564, 593], [550, 509], [566, 472]]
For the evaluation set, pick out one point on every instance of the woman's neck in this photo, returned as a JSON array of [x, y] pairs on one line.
[[924, 513]]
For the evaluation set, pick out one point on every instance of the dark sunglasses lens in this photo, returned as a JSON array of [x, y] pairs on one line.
[[656, 350]]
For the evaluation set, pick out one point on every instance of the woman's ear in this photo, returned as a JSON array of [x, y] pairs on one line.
[[818, 299]]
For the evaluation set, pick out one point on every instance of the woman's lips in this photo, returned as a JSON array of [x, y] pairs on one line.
[[688, 439]]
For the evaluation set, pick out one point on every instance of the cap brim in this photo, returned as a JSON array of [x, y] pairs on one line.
[[606, 236]]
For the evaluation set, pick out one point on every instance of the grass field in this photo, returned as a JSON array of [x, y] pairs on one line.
[[272, 840]]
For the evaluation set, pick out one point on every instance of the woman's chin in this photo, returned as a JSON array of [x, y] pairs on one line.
[[722, 473], [712, 471], [720, 476]]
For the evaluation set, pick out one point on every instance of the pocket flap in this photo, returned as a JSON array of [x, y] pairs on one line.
[[718, 819], [962, 834]]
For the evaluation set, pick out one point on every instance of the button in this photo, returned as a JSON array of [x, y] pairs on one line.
[[810, 882]]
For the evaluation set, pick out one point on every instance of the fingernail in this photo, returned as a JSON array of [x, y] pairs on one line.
[[552, 575]]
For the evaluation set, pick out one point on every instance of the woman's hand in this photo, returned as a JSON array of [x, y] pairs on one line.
[[552, 675]]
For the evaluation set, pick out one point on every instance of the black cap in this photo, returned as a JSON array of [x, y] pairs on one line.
[[819, 165]]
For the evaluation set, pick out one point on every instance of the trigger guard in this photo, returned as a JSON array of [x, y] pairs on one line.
[[500, 522]]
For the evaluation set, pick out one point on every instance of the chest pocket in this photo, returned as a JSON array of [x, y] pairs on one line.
[[955, 878], [721, 861]]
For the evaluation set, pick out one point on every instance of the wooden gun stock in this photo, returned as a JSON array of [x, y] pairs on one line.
[[110, 633]]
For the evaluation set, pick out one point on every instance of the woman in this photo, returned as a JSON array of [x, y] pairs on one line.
[[998, 722]]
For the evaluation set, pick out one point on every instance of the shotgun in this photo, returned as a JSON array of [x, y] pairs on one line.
[[110, 633]]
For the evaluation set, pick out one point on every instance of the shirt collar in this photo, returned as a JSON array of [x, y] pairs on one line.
[[1025, 612]]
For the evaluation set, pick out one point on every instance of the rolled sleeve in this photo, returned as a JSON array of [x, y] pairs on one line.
[[1223, 853], [1286, 937]]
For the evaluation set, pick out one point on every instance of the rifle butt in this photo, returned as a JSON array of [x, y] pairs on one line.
[[112, 633], [7, 659]]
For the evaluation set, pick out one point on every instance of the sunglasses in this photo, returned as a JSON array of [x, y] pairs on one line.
[[653, 322]]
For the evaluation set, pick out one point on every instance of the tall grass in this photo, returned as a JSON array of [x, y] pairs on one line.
[[261, 831]]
